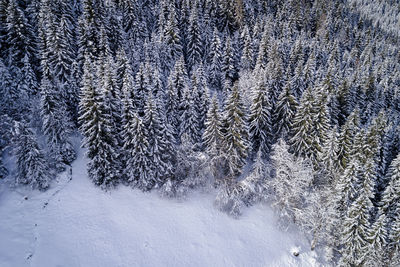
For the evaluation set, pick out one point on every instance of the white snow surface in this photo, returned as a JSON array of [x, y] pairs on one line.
[[84, 226]]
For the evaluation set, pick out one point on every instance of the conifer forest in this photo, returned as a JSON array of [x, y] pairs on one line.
[[294, 103]]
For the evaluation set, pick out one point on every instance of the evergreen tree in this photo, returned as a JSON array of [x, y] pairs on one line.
[[195, 42], [215, 63], [330, 158], [139, 164], [301, 140], [310, 125], [192, 120], [172, 36], [177, 86], [297, 82], [56, 125], [377, 237], [189, 119], [32, 167], [346, 138], [10, 96], [351, 180], [97, 130], [18, 37], [212, 135], [262, 56], [395, 242], [161, 144], [141, 89], [235, 133], [285, 111], [246, 61], [355, 232], [28, 82], [201, 102], [260, 121], [229, 64], [89, 29], [391, 195]]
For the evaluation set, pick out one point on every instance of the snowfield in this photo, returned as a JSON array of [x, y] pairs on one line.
[[83, 226]]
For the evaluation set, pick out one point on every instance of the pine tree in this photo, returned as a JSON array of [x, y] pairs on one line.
[[260, 121], [28, 82], [377, 237], [89, 29], [285, 110], [391, 195], [235, 133], [212, 135], [229, 64], [343, 102], [161, 143], [201, 102], [56, 125], [187, 112], [128, 115], [377, 138], [139, 164], [395, 242], [215, 63], [297, 82], [330, 157], [168, 150], [11, 98], [60, 55], [262, 55], [348, 132], [128, 97], [141, 89], [19, 35], [351, 180], [172, 37], [310, 126], [32, 167], [114, 27], [177, 86], [275, 74], [195, 42], [355, 232], [97, 130], [246, 61], [301, 140], [192, 120]]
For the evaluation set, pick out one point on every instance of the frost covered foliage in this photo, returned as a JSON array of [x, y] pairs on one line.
[[290, 183], [383, 14], [32, 165], [5, 137], [192, 172], [177, 95], [232, 197]]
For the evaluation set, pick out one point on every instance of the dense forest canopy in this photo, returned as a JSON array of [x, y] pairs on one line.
[[292, 102]]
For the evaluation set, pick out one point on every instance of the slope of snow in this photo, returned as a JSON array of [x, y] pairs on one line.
[[83, 226]]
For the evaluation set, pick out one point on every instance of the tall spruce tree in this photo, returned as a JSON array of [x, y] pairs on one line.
[[195, 42], [235, 133], [32, 166], [260, 127], [139, 166], [285, 110], [56, 124], [97, 130]]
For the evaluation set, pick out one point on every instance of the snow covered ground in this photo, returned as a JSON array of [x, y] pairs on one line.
[[76, 224]]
